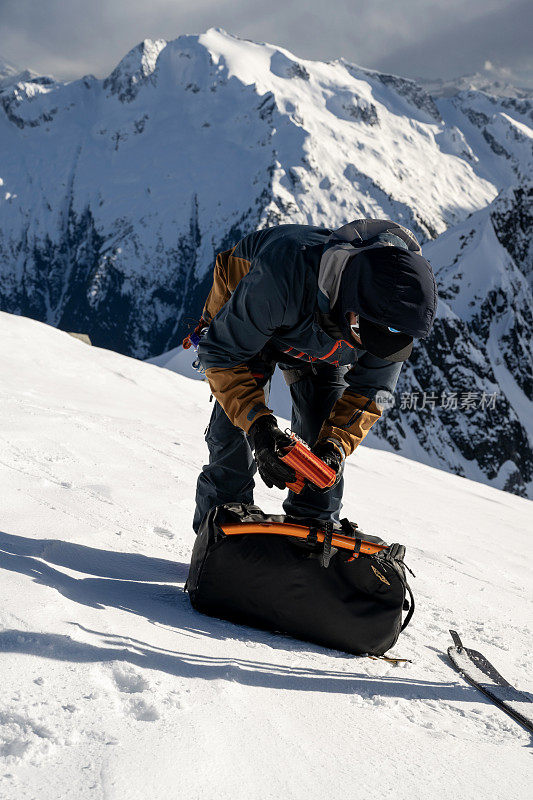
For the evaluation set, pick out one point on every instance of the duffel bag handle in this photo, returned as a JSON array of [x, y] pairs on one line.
[[411, 611]]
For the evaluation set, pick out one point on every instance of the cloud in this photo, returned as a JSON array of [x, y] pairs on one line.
[[500, 36], [414, 37]]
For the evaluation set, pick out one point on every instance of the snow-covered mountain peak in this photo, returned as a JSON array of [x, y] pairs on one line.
[[11, 74], [493, 80], [134, 70], [260, 64]]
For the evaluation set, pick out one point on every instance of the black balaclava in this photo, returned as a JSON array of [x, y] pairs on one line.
[[387, 286]]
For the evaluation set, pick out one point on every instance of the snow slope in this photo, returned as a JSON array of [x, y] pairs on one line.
[[112, 687]]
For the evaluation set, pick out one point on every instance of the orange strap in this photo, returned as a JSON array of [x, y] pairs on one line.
[[301, 532]]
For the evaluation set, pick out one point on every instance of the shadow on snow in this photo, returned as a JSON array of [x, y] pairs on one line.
[[132, 583]]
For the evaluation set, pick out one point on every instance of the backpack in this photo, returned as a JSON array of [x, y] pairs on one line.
[[321, 582]]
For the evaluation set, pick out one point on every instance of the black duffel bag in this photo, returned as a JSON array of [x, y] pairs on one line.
[[324, 583]]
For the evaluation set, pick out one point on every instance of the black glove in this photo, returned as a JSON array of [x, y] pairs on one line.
[[331, 455], [266, 439]]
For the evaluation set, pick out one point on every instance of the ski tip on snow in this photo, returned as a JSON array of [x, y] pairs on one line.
[[480, 673], [456, 639]]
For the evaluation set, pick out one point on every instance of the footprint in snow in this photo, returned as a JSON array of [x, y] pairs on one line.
[[143, 711], [21, 736], [129, 681], [164, 533]]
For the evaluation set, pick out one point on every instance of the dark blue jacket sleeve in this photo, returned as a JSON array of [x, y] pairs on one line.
[[248, 320], [372, 375]]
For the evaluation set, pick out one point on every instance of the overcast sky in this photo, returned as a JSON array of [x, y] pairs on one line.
[[426, 38]]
